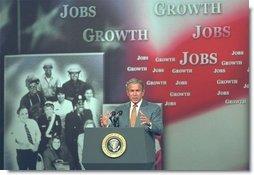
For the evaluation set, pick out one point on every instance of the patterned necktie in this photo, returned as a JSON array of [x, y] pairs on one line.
[[28, 134], [133, 115]]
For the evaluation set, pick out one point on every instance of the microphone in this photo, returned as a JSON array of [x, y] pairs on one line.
[[119, 113], [112, 115], [116, 118]]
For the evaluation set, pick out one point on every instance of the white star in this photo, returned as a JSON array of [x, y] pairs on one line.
[[43, 26], [4, 13]]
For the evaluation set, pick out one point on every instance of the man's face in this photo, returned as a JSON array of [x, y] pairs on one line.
[[74, 76], [49, 111], [80, 107], [56, 144], [60, 97], [135, 92], [23, 114], [48, 71], [32, 88]]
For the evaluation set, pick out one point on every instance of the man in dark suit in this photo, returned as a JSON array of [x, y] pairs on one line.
[[137, 112], [74, 124]]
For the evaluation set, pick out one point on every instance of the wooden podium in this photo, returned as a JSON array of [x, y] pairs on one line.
[[138, 155]]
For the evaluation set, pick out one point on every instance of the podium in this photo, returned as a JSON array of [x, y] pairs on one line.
[[138, 155]]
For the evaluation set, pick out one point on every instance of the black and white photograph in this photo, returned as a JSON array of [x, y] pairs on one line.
[[49, 100], [125, 85]]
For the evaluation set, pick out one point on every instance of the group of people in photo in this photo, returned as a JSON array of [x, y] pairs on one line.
[[51, 119]]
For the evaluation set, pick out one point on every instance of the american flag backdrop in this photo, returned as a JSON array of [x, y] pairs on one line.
[[202, 130]]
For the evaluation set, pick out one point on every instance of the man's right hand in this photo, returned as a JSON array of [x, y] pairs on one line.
[[104, 120]]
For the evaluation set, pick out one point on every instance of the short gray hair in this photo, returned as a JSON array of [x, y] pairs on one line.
[[135, 81]]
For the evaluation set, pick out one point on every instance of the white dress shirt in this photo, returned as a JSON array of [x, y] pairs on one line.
[[20, 135], [48, 85], [63, 108], [137, 108]]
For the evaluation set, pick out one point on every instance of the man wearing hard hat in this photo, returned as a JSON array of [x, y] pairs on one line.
[[74, 87]]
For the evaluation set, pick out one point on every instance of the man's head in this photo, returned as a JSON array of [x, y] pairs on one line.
[[47, 67], [80, 104], [56, 142], [74, 72], [49, 108], [60, 94], [22, 113], [32, 83], [135, 90]]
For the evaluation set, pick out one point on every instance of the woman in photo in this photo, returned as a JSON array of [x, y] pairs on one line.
[[92, 103]]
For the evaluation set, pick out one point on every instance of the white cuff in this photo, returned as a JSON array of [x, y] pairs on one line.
[[150, 125]]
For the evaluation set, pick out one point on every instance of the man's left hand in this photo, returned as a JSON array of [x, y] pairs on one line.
[[144, 119]]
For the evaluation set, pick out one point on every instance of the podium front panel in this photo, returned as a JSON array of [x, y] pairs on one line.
[[139, 153]]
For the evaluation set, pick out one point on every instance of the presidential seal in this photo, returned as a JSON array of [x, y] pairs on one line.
[[113, 145]]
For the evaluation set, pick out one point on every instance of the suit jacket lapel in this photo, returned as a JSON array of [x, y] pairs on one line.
[[126, 111]]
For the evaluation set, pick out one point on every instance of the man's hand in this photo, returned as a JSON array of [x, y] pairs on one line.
[[144, 119], [104, 120]]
